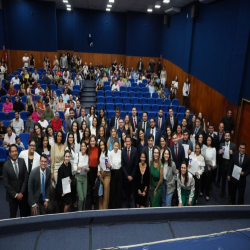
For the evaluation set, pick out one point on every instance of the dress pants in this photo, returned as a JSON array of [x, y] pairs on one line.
[[92, 175], [116, 188], [206, 181], [197, 186], [129, 192], [81, 187], [40, 209], [104, 199], [22, 204], [224, 171], [241, 192], [185, 101]]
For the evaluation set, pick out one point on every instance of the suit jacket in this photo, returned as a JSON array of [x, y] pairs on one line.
[[13, 184], [180, 141], [168, 123], [112, 122], [145, 151], [214, 141], [245, 168], [220, 140], [163, 124], [137, 122], [200, 131], [189, 124], [129, 167], [181, 155], [34, 187], [79, 121], [36, 160], [157, 135], [139, 127], [68, 125], [232, 147], [76, 113]]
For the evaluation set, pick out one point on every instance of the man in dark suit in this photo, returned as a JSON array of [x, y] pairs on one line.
[[177, 152], [160, 123], [115, 119], [228, 122], [144, 124], [172, 120], [154, 131], [224, 163], [39, 187], [241, 160], [213, 135], [78, 110], [121, 128], [71, 119], [148, 150], [189, 120], [82, 117], [15, 179], [186, 141], [129, 166], [198, 129], [134, 120]]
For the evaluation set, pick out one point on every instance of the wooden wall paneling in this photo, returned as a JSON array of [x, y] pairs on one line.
[[133, 60]]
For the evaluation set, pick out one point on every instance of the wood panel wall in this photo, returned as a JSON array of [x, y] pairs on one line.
[[203, 98], [133, 60]]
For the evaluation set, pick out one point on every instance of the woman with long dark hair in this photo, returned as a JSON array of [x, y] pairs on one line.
[[86, 136], [50, 134], [77, 138], [91, 115], [101, 134], [169, 139], [38, 135], [32, 62], [94, 127], [82, 128], [141, 143]]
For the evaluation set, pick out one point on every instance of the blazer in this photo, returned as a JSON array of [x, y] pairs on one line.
[[181, 155], [76, 113], [220, 140], [245, 168], [200, 131], [214, 141], [168, 123], [170, 176], [145, 151], [189, 125], [180, 141], [157, 135], [36, 160], [79, 121], [163, 125], [68, 125], [34, 187], [232, 147], [137, 122], [14, 185], [129, 167], [112, 122], [139, 127]]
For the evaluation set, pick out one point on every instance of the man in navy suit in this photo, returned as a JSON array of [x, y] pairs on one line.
[[154, 131], [115, 119], [78, 109], [177, 151], [160, 122], [172, 120], [129, 166], [134, 120]]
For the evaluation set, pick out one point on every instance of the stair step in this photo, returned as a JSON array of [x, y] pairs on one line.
[[88, 99]]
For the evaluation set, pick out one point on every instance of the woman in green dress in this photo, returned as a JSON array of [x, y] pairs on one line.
[[156, 170]]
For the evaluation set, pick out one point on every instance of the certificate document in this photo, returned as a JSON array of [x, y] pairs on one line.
[[83, 170], [194, 166], [186, 148], [236, 172], [66, 185], [225, 152]]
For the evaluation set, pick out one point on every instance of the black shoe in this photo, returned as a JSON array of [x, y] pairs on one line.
[[222, 194]]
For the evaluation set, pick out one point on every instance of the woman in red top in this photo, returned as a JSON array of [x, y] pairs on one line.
[[93, 163], [11, 91]]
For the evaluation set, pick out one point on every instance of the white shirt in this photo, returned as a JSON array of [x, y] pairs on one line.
[[186, 87], [115, 159], [51, 140], [26, 64], [175, 84], [80, 161], [10, 140], [14, 166], [115, 86], [35, 76], [39, 91], [152, 131], [44, 124], [92, 130], [15, 81], [18, 126], [201, 162], [190, 185]]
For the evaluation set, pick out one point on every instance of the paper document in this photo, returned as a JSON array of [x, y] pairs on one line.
[[225, 152], [106, 161], [66, 185], [236, 172], [186, 148], [83, 170], [194, 166]]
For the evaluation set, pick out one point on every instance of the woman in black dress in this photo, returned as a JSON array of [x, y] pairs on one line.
[[63, 172], [142, 182]]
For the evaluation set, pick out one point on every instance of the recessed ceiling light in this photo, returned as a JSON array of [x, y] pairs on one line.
[[149, 10], [157, 6], [166, 1], [68, 6], [69, 9], [109, 6], [111, 1], [65, 1], [107, 9]]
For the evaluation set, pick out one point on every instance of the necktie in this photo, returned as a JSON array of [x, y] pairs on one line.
[[134, 122], [159, 125], [150, 155], [144, 126], [176, 153], [195, 131], [43, 186], [16, 169], [172, 122], [128, 154], [116, 123], [241, 156]]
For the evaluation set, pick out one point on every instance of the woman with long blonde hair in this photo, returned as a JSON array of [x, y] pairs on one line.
[[29, 106], [127, 126]]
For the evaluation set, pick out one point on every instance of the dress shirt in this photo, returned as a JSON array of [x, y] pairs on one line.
[[201, 163], [152, 132], [144, 126], [65, 98], [10, 140], [115, 159], [18, 126], [115, 86], [190, 185], [150, 151], [13, 164], [159, 119], [80, 161], [92, 130], [172, 121], [15, 81], [41, 178]]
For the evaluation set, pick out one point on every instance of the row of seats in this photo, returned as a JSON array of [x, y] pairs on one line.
[[133, 84], [136, 100], [44, 86]]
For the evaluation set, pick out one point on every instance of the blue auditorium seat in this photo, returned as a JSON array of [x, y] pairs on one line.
[[24, 138], [175, 102], [99, 93]]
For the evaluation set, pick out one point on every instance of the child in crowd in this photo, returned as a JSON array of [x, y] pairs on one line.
[[19, 143]]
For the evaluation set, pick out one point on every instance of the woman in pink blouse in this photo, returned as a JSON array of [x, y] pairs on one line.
[[7, 106], [36, 114]]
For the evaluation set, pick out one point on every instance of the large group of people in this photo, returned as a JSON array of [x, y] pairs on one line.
[[121, 162]]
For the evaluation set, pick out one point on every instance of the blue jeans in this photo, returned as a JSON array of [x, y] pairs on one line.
[[169, 199], [166, 198]]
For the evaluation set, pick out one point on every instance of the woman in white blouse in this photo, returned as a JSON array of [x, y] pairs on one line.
[[115, 161], [94, 128], [201, 164], [81, 167], [210, 161], [163, 76], [104, 172], [77, 137], [91, 115], [174, 87], [185, 187]]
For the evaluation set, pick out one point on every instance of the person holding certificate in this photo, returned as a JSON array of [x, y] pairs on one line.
[[104, 171], [187, 145], [210, 161], [81, 167], [64, 189], [185, 187], [238, 171], [196, 168], [226, 150]]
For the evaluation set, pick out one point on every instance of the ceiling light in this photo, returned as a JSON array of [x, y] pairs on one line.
[[69, 9], [65, 1], [68, 6], [158, 5], [107, 9], [166, 1], [149, 10], [109, 6], [111, 1]]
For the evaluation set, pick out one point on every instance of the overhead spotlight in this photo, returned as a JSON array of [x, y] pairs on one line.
[[107, 9], [109, 6], [111, 1], [166, 1], [65, 1], [150, 8], [68, 6], [158, 5], [68, 9]]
